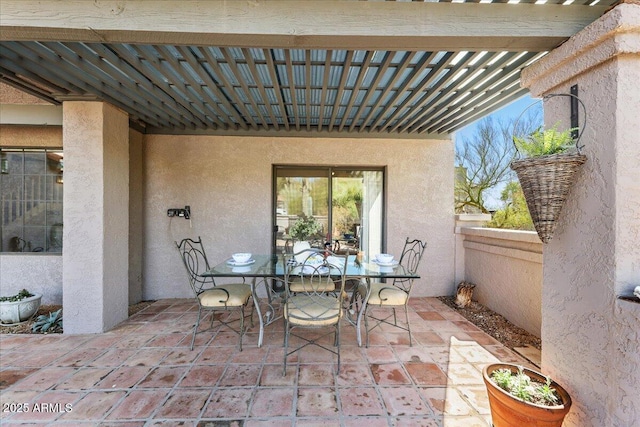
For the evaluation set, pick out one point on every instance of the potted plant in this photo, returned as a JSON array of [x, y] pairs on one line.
[[546, 173], [522, 397], [303, 229], [18, 308]]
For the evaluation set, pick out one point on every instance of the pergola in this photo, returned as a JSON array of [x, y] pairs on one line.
[[333, 68], [197, 100]]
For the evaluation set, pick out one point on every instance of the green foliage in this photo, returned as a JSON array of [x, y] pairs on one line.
[[51, 322], [525, 388], [483, 160], [305, 227], [18, 297], [542, 142], [514, 214]]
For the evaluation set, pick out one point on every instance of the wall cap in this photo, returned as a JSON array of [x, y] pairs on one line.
[[501, 233]]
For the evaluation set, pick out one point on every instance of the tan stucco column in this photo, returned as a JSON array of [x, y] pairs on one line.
[[96, 216], [590, 337]]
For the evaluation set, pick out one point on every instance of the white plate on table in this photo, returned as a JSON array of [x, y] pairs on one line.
[[240, 264], [393, 263]]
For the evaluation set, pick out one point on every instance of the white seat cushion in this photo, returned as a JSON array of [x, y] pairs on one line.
[[311, 284], [306, 310], [383, 294], [239, 293]]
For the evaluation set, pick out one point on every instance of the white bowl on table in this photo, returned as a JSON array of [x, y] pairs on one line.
[[241, 257], [384, 258]]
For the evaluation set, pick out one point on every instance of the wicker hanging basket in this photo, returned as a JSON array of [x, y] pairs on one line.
[[546, 181]]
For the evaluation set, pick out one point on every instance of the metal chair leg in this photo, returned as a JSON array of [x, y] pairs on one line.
[[195, 329], [406, 313]]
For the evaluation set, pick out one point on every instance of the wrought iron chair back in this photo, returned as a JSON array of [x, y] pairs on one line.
[[410, 259], [381, 297], [210, 297], [195, 262], [314, 289]]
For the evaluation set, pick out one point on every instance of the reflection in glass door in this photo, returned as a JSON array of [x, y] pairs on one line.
[[349, 207]]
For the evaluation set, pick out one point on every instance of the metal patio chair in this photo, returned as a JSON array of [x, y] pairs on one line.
[[314, 288], [213, 298], [392, 295]]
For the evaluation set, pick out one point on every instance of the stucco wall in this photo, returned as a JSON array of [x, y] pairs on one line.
[[227, 181], [136, 216], [38, 273], [506, 266], [591, 340]]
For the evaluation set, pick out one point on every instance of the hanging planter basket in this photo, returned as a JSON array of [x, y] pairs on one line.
[[546, 182]]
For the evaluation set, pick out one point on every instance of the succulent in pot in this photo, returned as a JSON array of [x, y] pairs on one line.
[[520, 396], [18, 308]]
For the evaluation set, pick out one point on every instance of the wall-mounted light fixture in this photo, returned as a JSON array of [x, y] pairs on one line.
[[186, 212]]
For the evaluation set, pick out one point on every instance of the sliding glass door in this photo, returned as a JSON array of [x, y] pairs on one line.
[[348, 204]]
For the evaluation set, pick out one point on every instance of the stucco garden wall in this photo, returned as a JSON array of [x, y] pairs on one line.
[[227, 181], [590, 338], [506, 267]]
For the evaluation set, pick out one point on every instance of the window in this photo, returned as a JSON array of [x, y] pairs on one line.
[[31, 200], [347, 202]]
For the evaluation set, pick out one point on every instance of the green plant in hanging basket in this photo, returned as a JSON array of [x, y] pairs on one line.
[[543, 142], [546, 168]]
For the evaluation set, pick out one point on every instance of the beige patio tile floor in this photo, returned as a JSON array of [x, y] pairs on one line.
[[142, 373]]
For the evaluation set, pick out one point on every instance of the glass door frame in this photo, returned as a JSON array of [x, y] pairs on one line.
[[329, 169]]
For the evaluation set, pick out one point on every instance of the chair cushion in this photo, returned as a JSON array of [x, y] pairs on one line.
[[311, 284], [317, 310], [383, 294], [239, 293]]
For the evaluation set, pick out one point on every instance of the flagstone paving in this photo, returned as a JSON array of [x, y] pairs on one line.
[[142, 373]]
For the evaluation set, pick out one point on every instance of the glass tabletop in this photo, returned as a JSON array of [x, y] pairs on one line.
[[272, 266]]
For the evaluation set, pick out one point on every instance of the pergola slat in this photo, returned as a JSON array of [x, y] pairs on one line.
[[210, 103], [226, 99], [423, 64], [234, 68], [439, 85], [61, 73], [382, 69], [158, 107], [183, 79], [500, 73], [325, 82], [292, 88], [147, 82], [343, 79], [276, 86], [390, 85], [261, 88], [356, 88]]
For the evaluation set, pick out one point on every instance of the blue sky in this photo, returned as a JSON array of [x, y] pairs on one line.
[[513, 110]]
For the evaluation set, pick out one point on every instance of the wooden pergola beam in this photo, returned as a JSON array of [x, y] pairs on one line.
[[329, 24]]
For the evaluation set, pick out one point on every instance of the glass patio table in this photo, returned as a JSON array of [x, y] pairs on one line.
[[267, 270]]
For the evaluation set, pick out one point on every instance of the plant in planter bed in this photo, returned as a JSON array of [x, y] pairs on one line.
[[18, 308], [51, 322]]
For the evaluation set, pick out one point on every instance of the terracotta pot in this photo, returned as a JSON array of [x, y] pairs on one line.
[[509, 411]]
